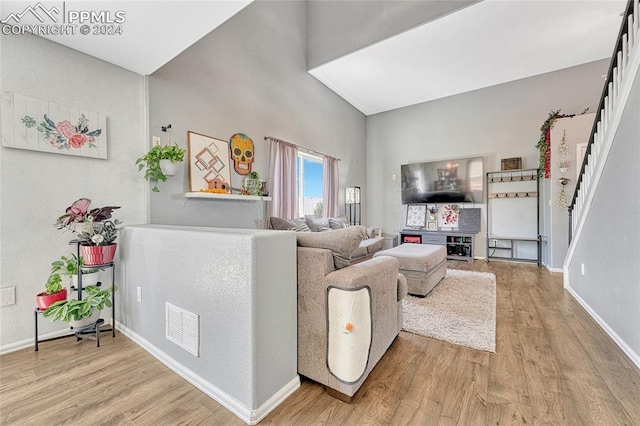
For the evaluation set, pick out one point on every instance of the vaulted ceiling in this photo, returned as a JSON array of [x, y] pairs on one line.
[[484, 44]]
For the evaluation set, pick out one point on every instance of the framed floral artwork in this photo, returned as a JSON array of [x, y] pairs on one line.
[[208, 162], [449, 215], [416, 216], [39, 125]]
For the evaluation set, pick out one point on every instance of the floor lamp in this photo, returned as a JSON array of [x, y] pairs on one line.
[[352, 204]]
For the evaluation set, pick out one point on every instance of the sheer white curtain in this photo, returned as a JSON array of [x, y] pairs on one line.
[[283, 179], [330, 186]]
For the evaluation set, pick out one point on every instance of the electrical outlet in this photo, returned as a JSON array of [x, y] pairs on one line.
[[8, 296], [156, 140], [139, 294]]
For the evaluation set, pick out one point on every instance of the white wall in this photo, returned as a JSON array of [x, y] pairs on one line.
[[608, 243], [249, 76], [36, 187], [497, 122]]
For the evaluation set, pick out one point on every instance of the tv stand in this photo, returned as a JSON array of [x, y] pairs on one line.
[[459, 244]]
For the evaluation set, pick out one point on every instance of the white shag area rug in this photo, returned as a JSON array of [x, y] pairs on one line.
[[461, 309]]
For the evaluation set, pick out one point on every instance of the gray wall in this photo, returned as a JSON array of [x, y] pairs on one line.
[[608, 245], [497, 122], [37, 187], [249, 75], [337, 28]]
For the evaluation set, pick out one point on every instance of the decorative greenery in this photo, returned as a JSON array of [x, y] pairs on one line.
[[252, 184], [66, 310], [79, 212], [69, 266], [53, 284], [151, 161], [94, 229], [542, 143], [102, 235]]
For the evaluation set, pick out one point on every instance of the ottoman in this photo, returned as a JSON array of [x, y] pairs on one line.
[[423, 265]]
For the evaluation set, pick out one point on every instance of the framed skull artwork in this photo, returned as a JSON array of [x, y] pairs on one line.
[[242, 153]]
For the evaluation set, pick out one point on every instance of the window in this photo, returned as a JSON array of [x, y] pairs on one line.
[[309, 184]]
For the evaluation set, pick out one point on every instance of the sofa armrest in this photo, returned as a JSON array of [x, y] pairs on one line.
[[315, 275]]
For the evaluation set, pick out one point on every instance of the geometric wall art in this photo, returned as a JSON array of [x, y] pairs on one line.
[[208, 162], [39, 125]]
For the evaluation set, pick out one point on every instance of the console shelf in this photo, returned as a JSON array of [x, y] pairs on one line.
[[459, 245]]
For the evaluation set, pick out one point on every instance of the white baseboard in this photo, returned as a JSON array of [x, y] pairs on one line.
[[245, 414], [554, 270], [633, 356], [23, 344]]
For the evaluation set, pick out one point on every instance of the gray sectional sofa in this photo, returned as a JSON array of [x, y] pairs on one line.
[[369, 246]]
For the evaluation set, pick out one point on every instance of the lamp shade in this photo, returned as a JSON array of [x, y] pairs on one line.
[[352, 195]]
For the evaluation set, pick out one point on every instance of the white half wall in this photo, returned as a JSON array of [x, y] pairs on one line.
[[240, 283], [36, 187]]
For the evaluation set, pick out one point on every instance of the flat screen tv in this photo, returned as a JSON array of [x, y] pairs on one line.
[[450, 181]]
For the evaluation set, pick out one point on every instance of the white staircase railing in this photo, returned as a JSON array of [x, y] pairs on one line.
[[624, 66]]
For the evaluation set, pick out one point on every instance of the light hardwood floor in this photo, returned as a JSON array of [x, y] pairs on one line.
[[553, 365]]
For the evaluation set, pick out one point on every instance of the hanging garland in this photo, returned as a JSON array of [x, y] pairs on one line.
[[544, 144]]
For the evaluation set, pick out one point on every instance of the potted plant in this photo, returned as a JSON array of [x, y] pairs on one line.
[[252, 184], [81, 313], [69, 267], [53, 292], [161, 161], [78, 218], [97, 233]]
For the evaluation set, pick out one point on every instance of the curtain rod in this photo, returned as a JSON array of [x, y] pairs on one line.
[[267, 138]]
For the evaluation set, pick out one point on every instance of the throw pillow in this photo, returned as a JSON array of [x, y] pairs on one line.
[[338, 222], [315, 223], [281, 224], [341, 242], [300, 228]]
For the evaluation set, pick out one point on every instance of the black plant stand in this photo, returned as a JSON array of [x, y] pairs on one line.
[[88, 331]]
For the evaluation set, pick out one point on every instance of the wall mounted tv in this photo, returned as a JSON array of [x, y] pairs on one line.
[[450, 181]]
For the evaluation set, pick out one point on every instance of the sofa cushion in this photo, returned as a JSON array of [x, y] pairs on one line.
[[360, 251], [372, 245], [341, 242], [315, 223], [282, 224]]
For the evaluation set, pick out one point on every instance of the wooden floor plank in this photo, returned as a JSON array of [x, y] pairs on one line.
[[552, 365]]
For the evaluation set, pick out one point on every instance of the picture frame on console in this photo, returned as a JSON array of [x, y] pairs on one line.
[[432, 225], [416, 216]]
